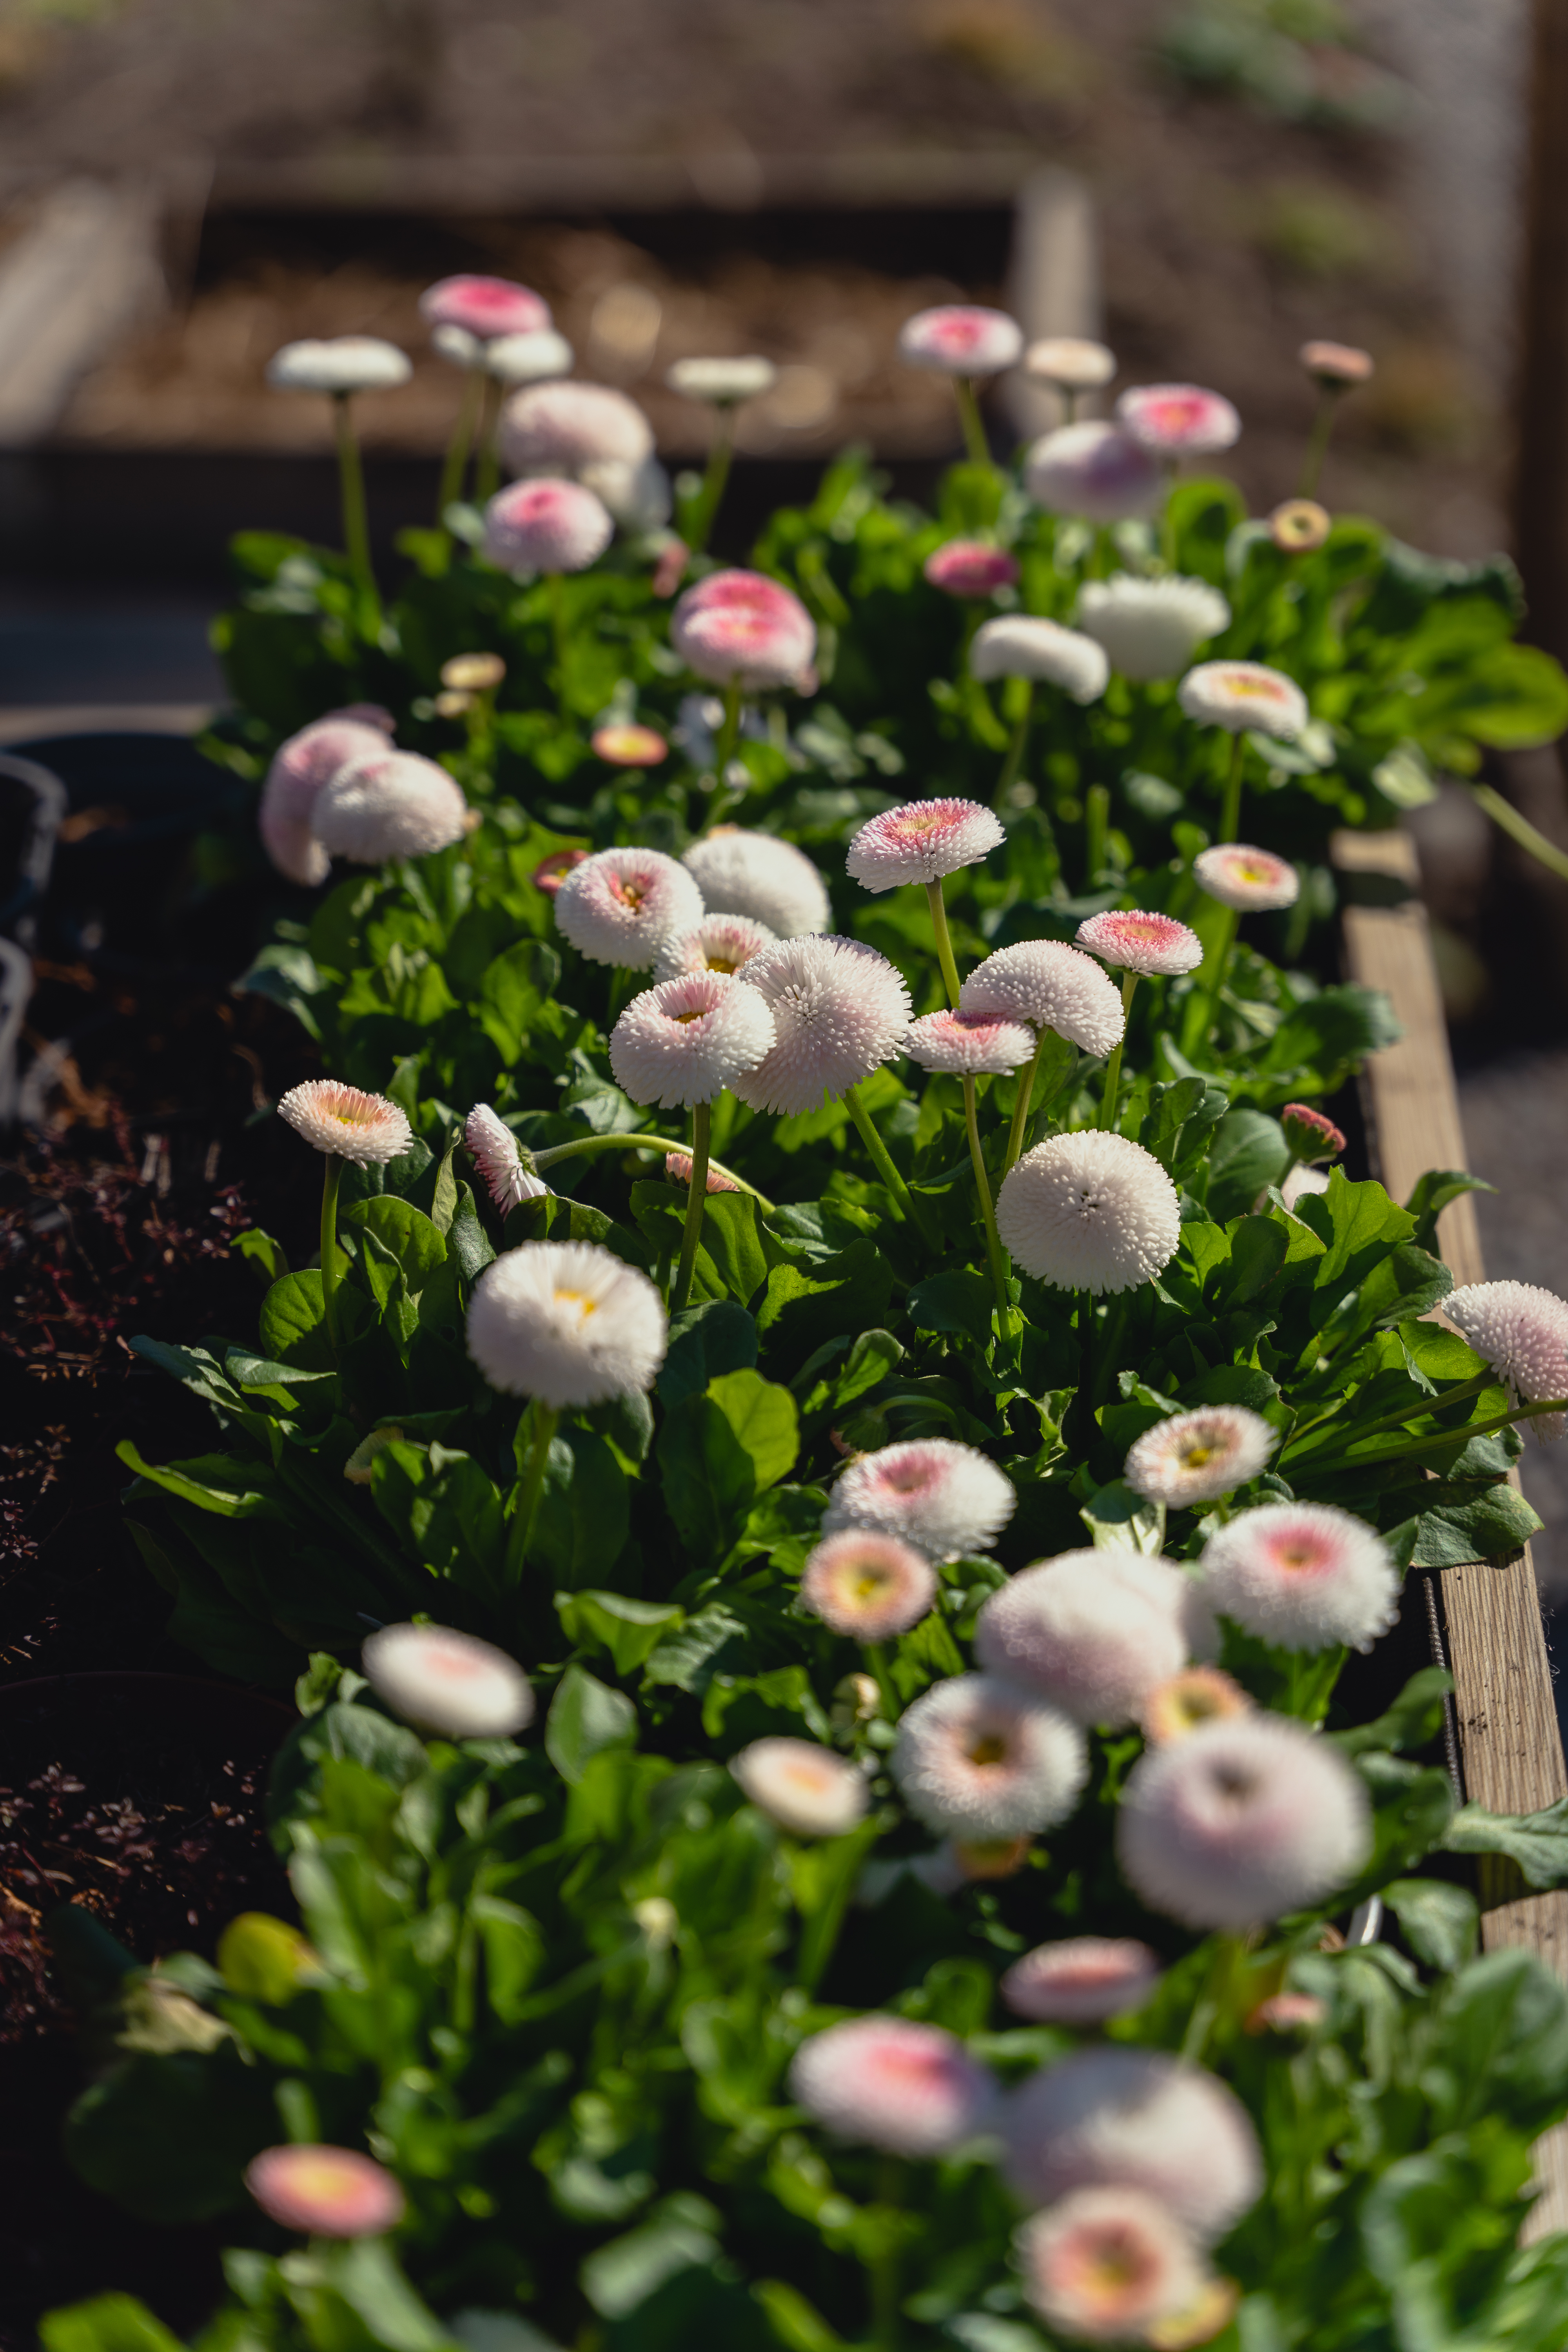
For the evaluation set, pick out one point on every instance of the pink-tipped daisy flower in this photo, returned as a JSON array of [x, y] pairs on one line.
[[1112, 2117], [1336, 366], [868, 1585], [340, 365], [678, 1168], [1089, 1630], [1198, 1694], [545, 527], [979, 1759], [922, 842], [1303, 1576], [629, 747], [718, 943], [1522, 1332], [447, 1684], [911, 2089], [1072, 362], [1095, 471], [1109, 2266], [1151, 628], [300, 770], [973, 1044], [339, 1119], [810, 1792], [1196, 1457], [1311, 1134], [559, 428], [742, 624], [568, 1322], [1179, 420], [961, 338], [1241, 1822], [968, 567], [1249, 879], [1154, 946], [1090, 1211], [499, 1162], [762, 877], [1051, 985], [1017, 645], [552, 871], [484, 306], [944, 1497], [840, 1011], [390, 803], [1242, 696], [683, 1040], [330, 2192], [1081, 1981], [620, 906]]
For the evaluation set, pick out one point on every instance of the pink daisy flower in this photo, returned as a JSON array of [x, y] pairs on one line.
[[743, 625], [1336, 366], [978, 1759], [1090, 1631], [968, 567], [1153, 946], [332, 2192], [1310, 1134], [499, 1162], [300, 768], [723, 943], [629, 747], [1054, 987], [559, 428], [1094, 470], [1240, 696], [390, 803], [620, 905], [568, 1322], [447, 1684], [909, 2088], [678, 1168], [868, 1585], [944, 1497], [1196, 1457], [1126, 2118], [973, 1044], [840, 1011], [757, 876], [1108, 2265], [545, 527], [1301, 1575], [1251, 881], [921, 841], [552, 871], [1198, 1694], [810, 1792], [683, 1040], [1082, 1980], [1522, 1332], [961, 338], [339, 1119], [1178, 420], [484, 306], [1089, 1211]]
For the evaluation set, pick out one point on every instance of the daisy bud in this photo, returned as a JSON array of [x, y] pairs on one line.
[[640, 496], [447, 1684], [921, 841], [808, 1791], [1198, 1694], [856, 1699], [1522, 1332], [1196, 1457], [473, 673], [552, 871], [911, 2089], [1017, 646], [534, 357], [332, 1116], [1240, 1822], [1081, 1981], [332, 2192], [1153, 946], [725, 383], [629, 747], [1094, 470], [678, 1168], [1090, 1631], [868, 1585], [484, 307], [1090, 1211], [545, 527], [1310, 1134], [961, 338], [1251, 881], [1071, 363], [967, 567], [499, 1162], [1178, 420], [1113, 2117], [974, 1045], [944, 1497], [558, 428], [683, 1040], [756, 874], [300, 767], [1051, 985], [389, 804], [345, 363], [1151, 628], [360, 1467], [718, 943], [1299, 526], [1240, 696], [743, 625], [566, 1322], [620, 906], [1108, 2265], [840, 1011], [1301, 1575], [1287, 2012], [1336, 366], [977, 1759]]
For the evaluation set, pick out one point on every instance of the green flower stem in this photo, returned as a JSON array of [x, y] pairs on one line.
[[556, 589], [993, 1257], [331, 1177], [1025, 1103], [1085, 1321], [1317, 439], [1442, 1437], [725, 796], [1097, 814], [1115, 1324], [1113, 1067], [715, 478], [351, 478], [486, 473], [1202, 1006], [696, 1203], [1014, 759], [1230, 807], [1219, 1991], [455, 465], [885, 2329], [1488, 1380], [1519, 828], [880, 1160], [545, 1418], [945, 955], [876, 1660], [538, 1162], [976, 446]]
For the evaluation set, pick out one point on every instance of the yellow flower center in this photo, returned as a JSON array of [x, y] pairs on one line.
[[578, 1298], [989, 1748]]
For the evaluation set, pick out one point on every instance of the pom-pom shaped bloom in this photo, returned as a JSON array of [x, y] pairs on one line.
[[484, 306], [1251, 881], [809, 1791], [1055, 986], [968, 567], [718, 943], [961, 338], [1094, 470], [1072, 362], [300, 768], [344, 363], [1241, 694], [921, 841], [1194, 1458], [868, 1585], [978, 1759], [1018, 646], [494, 1147], [678, 1168], [545, 527], [758, 876], [1301, 1575], [1299, 526], [621, 905], [1155, 946], [1198, 1694], [533, 357], [1090, 1211], [1151, 628], [552, 871], [332, 1117], [909, 2088], [743, 625], [473, 673], [1241, 1821], [558, 428], [1115, 2118], [684, 1040], [447, 1684], [724, 382], [568, 1323], [629, 747], [1336, 365], [1310, 1134], [944, 1497], [973, 1044], [1522, 1332], [840, 1011], [389, 804], [332, 2192], [1178, 420], [1082, 1980], [1090, 1631], [1108, 2265]]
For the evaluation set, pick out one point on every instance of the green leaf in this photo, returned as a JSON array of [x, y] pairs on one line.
[[585, 1510], [954, 1300], [1249, 1153], [765, 1419], [412, 1239], [1537, 1841], [264, 1254], [1465, 1535], [630, 1629], [848, 1292], [680, 2234], [167, 2137], [704, 1340], [364, 2272], [1438, 1922], [444, 1201], [1501, 2046], [110, 2323], [585, 1718], [1414, 1720], [293, 1324], [213, 1482], [733, 1236], [874, 1355]]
